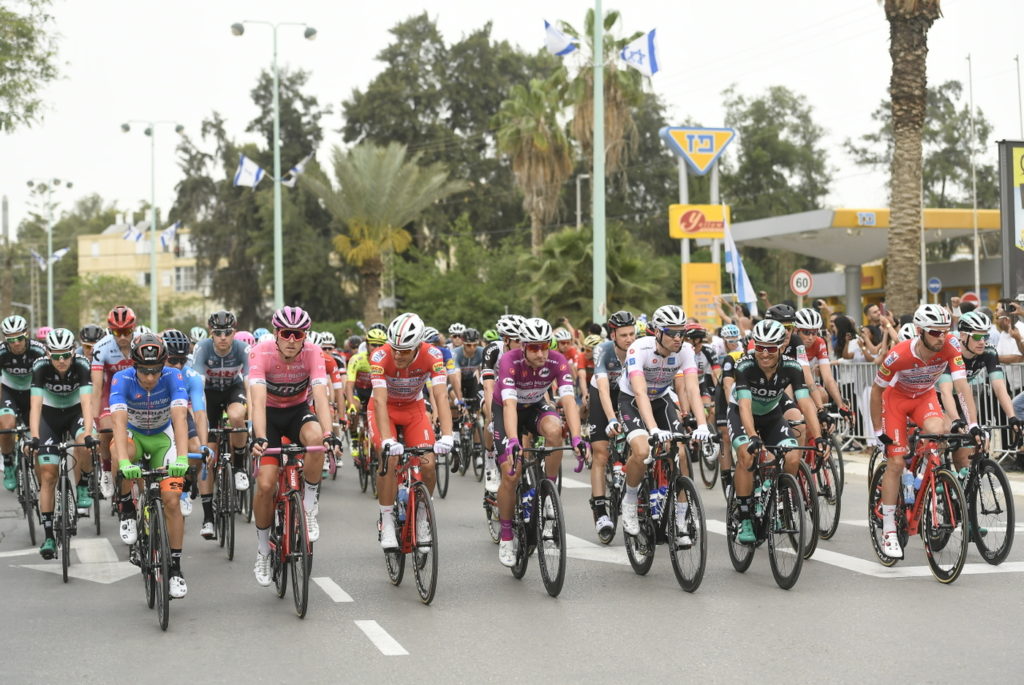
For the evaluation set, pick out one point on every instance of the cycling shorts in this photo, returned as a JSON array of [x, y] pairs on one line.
[[364, 395], [54, 425], [666, 415], [191, 422], [597, 419], [772, 428], [217, 401], [409, 423], [14, 402], [897, 408], [528, 419]]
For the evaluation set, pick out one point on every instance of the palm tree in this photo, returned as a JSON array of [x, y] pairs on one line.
[[909, 21], [529, 133], [379, 191]]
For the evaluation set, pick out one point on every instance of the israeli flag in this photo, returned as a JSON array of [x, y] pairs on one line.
[[39, 260], [292, 176], [56, 256], [558, 43], [134, 233], [167, 235], [734, 265], [642, 54], [249, 173]]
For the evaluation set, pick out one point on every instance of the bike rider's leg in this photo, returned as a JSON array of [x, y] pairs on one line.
[[312, 470], [105, 423], [743, 482], [236, 419], [725, 455], [263, 501], [7, 422], [550, 426]]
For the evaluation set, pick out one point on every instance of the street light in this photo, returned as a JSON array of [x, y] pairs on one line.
[[48, 186], [149, 131], [238, 29]]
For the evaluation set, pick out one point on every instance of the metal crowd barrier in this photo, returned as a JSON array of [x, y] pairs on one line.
[[855, 380]]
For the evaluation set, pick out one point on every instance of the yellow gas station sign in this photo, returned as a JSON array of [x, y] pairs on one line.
[[702, 284]]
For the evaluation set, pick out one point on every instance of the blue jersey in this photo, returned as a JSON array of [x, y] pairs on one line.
[[196, 388], [149, 411]]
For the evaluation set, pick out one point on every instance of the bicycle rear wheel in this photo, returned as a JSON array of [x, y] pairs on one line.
[[300, 556], [228, 512], [837, 456], [279, 563], [708, 461], [640, 547], [424, 551], [362, 467], [478, 461], [29, 502], [221, 502], [830, 497], [990, 503], [468, 453], [690, 561], [94, 490], [741, 555], [249, 493], [875, 516], [442, 472], [787, 530], [944, 526], [160, 556], [809, 491], [395, 561], [550, 537], [64, 522]]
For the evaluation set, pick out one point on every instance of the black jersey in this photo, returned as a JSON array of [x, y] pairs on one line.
[[57, 390], [17, 368], [492, 353], [766, 392]]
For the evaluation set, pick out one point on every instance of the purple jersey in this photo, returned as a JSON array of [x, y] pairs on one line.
[[519, 381]]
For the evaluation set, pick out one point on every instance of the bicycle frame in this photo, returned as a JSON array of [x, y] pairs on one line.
[[408, 472], [927, 450]]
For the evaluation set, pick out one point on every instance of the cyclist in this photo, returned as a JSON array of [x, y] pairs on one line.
[[456, 336], [87, 338], [523, 379], [17, 355], [609, 357], [149, 409], [359, 387], [223, 363], [399, 371], [508, 328], [197, 334], [469, 359], [111, 354], [733, 346], [808, 327], [757, 411], [585, 372], [654, 364], [283, 374], [60, 397], [708, 368], [904, 388]]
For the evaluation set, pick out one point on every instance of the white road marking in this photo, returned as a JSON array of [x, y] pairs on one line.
[[574, 484], [96, 562], [380, 638], [332, 589], [578, 548], [19, 552], [94, 550]]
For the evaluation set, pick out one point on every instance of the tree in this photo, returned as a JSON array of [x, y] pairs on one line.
[[909, 21], [95, 295], [379, 191], [28, 61]]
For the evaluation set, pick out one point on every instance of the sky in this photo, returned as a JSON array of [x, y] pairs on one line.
[[177, 61]]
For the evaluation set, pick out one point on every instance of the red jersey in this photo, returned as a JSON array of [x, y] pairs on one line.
[[406, 385], [333, 373], [906, 373], [817, 353]]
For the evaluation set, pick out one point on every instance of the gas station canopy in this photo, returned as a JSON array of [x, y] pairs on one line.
[[852, 236]]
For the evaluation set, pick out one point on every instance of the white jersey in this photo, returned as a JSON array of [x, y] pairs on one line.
[[659, 372]]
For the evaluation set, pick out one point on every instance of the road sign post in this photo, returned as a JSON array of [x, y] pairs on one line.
[[934, 286]]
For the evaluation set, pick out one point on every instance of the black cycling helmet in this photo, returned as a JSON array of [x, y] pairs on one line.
[[378, 327], [782, 313], [177, 343], [149, 350], [221, 319], [91, 334], [354, 341], [620, 319], [471, 335]]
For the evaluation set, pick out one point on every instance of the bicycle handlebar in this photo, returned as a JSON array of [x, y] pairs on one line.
[[406, 453], [539, 451], [779, 452], [292, 449]]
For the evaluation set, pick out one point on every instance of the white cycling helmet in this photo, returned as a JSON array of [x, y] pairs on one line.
[[14, 324], [456, 329], [197, 333], [405, 331], [535, 330], [562, 334], [907, 332], [668, 315], [932, 316], [60, 340], [974, 322], [327, 338], [314, 337], [508, 326], [141, 330], [769, 332], [431, 335], [808, 319]]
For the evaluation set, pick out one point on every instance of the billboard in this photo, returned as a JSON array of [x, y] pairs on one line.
[[697, 221], [1011, 206]]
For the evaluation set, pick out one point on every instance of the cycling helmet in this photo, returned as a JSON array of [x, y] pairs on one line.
[[140, 329], [808, 318], [431, 335], [457, 329], [782, 313], [91, 333], [375, 336], [14, 324], [379, 327], [405, 331], [730, 330], [197, 333], [176, 342], [42, 332], [121, 317], [535, 330], [291, 317], [246, 337], [354, 341], [490, 335], [313, 337], [620, 319], [149, 350], [471, 335], [907, 332], [327, 338], [769, 332], [562, 334], [592, 340], [221, 319], [694, 331], [932, 316], [668, 315], [508, 326], [259, 332], [974, 322], [60, 340]]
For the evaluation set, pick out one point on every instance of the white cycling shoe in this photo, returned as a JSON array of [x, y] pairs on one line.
[[129, 531], [241, 480], [178, 587], [507, 552], [630, 522], [891, 545], [262, 569]]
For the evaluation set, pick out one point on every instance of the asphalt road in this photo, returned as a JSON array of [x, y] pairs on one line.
[[848, 619]]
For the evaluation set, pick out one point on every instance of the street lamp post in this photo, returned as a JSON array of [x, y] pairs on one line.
[[310, 33], [150, 131], [48, 186]]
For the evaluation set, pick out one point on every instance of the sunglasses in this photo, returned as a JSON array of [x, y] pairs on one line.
[[671, 333], [536, 347], [223, 332], [291, 334], [766, 348], [327, 348], [978, 336], [61, 356], [149, 370], [788, 326], [807, 331], [177, 360], [122, 332], [16, 338], [936, 333]]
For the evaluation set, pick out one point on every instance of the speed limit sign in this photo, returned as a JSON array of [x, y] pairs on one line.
[[801, 282]]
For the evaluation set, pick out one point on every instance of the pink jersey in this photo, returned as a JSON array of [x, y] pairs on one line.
[[904, 372], [288, 383]]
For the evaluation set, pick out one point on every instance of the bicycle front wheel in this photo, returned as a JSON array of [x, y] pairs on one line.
[[249, 493], [66, 503], [441, 470], [550, 537], [809, 491], [362, 467], [478, 461], [94, 490], [300, 556], [640, 547], [990, 501], [228, 512], [395, 561], [160, 555], [424, 549], [944, 526], [689, 557], [708, 461], [836, 453], [29, 503], [828, 483], [740, 554], [787, 530]]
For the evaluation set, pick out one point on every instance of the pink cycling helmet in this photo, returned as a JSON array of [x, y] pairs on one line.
[[246, 337], [42, 332], [291, 317]]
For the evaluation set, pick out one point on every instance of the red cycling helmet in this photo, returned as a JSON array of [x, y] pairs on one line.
[[121, 317]]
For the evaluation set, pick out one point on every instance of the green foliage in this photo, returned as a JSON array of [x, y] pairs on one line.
[[28, 61], [92, 296]]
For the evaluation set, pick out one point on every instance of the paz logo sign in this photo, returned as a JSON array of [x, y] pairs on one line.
[[700, 147], [697, 221]]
